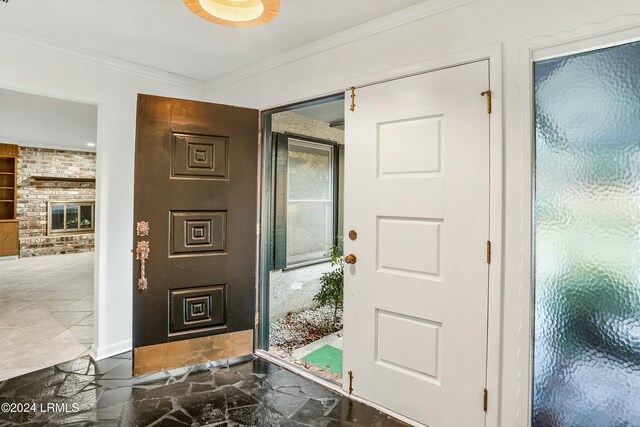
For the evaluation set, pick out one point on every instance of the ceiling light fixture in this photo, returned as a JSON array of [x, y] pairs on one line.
[[91, 144], [235, 13]]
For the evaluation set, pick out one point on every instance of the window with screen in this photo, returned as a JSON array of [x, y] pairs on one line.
[[306, 194]]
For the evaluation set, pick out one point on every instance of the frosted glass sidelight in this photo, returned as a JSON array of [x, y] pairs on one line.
[[587, 240]]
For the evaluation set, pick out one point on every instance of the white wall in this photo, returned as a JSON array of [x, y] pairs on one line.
[[36, 68], [514, 23], [517, 25]]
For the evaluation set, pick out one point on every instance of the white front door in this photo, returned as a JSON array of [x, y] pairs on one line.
[[417, 194]]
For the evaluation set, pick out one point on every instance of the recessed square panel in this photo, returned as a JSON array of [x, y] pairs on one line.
[[197, 309], [410, 147], [409, 344], [197, 232], [199, 157], [409, 246]]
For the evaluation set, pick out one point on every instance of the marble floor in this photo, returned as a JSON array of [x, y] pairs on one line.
[[252, 393], [46, 311]]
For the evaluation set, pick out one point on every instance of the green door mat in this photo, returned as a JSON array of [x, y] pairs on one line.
[[327, 357]]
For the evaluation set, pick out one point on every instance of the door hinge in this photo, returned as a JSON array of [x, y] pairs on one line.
[[350, 382], [258, 229], [353, 99], [257, 321], [488, 251], [486, 400], [487, 93]]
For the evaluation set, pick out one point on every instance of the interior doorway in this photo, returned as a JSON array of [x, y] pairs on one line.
[[47, 225], [302, 271]]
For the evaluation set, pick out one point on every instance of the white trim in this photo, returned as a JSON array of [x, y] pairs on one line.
[[493, 53], [367, 29], [376, 26], [99, 58], [395, 72], [496, 236], [99, 353], [589, 37]]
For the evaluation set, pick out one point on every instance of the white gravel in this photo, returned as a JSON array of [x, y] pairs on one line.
[[299, 329]]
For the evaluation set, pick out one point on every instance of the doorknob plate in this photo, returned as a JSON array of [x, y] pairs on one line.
[[142, 229]]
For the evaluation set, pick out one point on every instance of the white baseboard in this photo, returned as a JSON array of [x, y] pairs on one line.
[[99, 353]]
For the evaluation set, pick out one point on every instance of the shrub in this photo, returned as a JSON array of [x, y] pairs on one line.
[[332, 283]]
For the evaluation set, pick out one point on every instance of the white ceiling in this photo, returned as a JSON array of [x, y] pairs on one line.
[[40, 121], [165, 35]]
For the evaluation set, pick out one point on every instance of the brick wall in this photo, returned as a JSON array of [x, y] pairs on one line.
[[33, 196]]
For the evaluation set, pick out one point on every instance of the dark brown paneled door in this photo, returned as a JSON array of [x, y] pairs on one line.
[[195, 216]]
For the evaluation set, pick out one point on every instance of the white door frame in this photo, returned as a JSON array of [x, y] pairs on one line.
[[587, 38], [493, 53]]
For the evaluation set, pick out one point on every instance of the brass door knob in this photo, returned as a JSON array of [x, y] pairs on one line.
[[350, 259]]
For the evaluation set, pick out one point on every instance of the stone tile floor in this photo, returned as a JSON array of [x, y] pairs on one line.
[[46, 311], [253, 393]]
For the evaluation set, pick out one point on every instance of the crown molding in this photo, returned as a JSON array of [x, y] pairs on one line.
[[99, 58], [376, 26]]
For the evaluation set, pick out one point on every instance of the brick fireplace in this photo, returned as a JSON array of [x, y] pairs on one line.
[[46, 176]]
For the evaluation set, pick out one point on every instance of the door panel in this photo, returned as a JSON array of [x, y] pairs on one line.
[[195, 185], [417, 193]]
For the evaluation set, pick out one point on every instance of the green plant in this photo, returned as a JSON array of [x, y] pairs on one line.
[[332, 282]]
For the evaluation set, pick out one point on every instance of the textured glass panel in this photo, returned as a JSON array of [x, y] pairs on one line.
[[587, 240], [310, 201], [310, 171], [309, 230]]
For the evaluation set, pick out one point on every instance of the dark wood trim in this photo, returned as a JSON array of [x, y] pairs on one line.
[[265, 238], [267, 204], [308, 103], [62, 178], [280, 188]]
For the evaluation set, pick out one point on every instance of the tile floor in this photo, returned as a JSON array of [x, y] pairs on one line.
[[254, 393], [46, 311]]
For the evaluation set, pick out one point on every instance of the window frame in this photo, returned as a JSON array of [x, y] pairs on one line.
[[66, 204], [280, 180]]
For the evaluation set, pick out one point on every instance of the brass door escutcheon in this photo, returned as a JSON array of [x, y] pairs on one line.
[[142, 254], [142, 229], [350, 259]]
